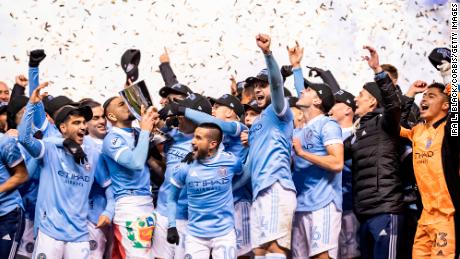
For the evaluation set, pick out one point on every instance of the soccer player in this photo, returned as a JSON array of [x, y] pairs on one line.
[[99, 218], [343, 113], [436, 164], [318, 163], [125, 150], [269, 162], [65, 181], [207, 177], [227, 111], [176, 150], [13, 173]]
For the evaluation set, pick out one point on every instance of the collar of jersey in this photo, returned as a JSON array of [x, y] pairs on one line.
[[314, 120], [123, 131]]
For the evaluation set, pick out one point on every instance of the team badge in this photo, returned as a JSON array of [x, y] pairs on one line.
[[92, 245], [222, 171], [41, 256], [30, 247], [428, 143]]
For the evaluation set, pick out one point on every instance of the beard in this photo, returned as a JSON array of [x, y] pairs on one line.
[[131, 117], [200, 154]]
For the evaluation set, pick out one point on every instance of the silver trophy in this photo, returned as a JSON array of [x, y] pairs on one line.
[[135, 96]]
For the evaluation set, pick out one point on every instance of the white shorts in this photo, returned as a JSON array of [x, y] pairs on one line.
[[271, 216], [349, 237], [97, 241], [179, 250], [242, 227], [47, 247], [26, 247], [223, 247], [133, 227], [316, 232]]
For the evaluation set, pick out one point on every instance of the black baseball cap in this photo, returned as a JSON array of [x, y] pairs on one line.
[[345, 97], [53, 104], [374, 90], [252, 105], [262, 76], [324, 93], [63, 113], [231, 102], [437, 55], [130, 62], [196, 102], [13, 107], [175, 89]]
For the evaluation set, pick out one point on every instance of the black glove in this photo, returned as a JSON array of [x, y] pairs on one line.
[[318, 71], [173, 236], [172, 109], [36, 56], [77, 152], [188, 158]]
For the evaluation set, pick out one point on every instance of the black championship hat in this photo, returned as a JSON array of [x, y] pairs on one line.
[[262, 76], [437, 55], [231, 102], [64, 112], [130, 62], [345, 97], [252, 105], [196, 102], [324, 93], [175, 89]]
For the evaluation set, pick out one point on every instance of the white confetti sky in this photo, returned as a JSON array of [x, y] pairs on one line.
[[209, 40]]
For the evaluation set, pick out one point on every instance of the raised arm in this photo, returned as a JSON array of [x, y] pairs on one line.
[[391, 103], [36, 56], [19, 87], [166, 71], [274, 75], [136, 158], [295, 57], [35, 147]]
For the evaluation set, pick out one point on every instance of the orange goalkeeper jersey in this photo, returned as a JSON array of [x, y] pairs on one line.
[[429, 173]]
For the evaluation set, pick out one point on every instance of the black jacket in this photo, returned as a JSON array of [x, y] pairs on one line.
[[377, 186]]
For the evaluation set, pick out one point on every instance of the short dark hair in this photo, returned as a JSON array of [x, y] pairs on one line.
[[390, 69], [107, 103], [89, 102], [440, 87], [216, 131]]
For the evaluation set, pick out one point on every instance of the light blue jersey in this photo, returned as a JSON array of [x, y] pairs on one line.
[[99, 197], [62, 203], [63, 192], [347, 177], [129, 177], [232, 144], [10, 156], [317, 187], [209, 192], [29, 189], [269, 158], [176, 150]]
